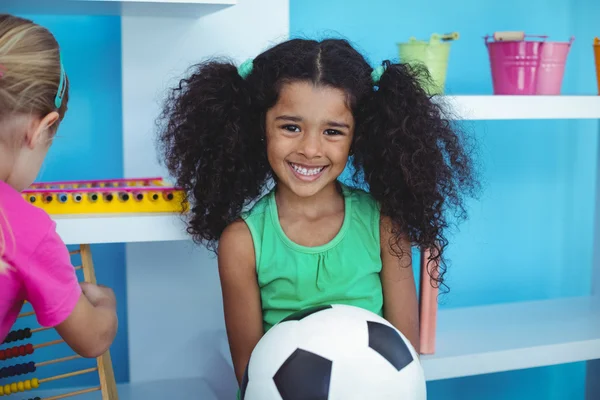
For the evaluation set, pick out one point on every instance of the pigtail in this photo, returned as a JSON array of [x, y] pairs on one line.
[[212, 144], [414, 161]]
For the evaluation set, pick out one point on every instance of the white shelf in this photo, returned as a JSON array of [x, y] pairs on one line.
[[471, 341], [487, 339], [523, 107], [175, 8], [120, 228]]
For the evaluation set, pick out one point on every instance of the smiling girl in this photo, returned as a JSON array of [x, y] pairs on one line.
[[260, 150]]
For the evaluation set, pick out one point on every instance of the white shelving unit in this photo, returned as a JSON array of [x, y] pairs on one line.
[[524, 107], [498, 337], [504, 337], [120, 228], [185, 8], [168, 227]]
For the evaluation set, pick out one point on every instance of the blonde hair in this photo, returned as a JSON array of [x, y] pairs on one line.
[[31, 71], [32, 82]]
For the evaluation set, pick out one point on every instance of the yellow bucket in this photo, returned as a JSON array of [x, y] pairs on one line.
[[433, 55], [597, 57]]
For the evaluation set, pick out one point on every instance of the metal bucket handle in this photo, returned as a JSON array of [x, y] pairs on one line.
[[519, 35], [436, 37]]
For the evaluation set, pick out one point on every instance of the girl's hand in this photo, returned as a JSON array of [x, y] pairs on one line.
[[99, 295], [92, 326]]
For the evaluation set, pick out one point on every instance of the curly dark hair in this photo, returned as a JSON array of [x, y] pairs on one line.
[[414, 162]]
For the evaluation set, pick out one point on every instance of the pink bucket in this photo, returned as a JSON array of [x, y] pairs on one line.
[[521, 67]]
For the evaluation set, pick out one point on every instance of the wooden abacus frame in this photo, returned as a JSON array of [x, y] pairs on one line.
[[107, 386]]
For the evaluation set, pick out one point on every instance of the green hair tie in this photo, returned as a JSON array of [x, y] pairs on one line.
[[376, 74], [62, 85], [246, 68]]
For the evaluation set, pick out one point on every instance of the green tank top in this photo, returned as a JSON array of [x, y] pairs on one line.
[[344, 271]]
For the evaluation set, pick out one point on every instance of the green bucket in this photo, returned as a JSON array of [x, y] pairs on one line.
[[433, 55]]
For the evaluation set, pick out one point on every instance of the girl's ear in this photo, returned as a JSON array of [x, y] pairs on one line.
[[38, 128]]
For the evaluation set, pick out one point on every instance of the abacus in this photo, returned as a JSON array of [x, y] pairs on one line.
[[10, 371], [144, 195]]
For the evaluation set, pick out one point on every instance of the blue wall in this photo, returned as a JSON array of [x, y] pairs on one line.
[[530, 235], [89, 146], [528, 238]]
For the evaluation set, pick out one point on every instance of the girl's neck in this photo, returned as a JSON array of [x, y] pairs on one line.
[[326, 201]]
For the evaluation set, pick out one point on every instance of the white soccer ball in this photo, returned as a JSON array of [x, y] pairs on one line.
[[335, 352]]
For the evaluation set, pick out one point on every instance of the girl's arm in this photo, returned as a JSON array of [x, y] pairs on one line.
[[400, 303], [84, 315], [92, 326], [241, 295]]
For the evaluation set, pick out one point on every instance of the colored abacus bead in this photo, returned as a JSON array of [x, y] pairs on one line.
[[19, 334], [16, 351], [18, 369], [21, 386], [63, 197], [11, 337]]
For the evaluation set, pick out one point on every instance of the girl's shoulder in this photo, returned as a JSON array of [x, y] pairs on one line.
[[23, 226], [255, 217]]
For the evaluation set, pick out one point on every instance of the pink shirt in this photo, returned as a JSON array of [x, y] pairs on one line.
[[39, 265]]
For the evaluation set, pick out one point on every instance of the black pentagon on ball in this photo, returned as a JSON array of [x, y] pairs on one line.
[[304, 375], [299, 315], [388, 343]]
